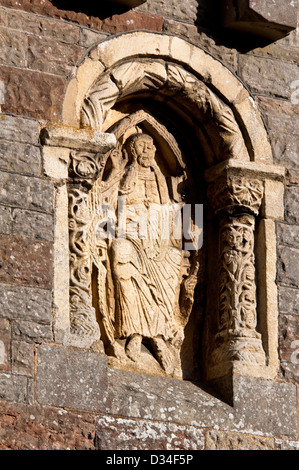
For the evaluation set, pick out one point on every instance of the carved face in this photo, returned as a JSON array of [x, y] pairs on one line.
[[145, 150]]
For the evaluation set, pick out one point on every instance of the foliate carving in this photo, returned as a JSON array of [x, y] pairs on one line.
[[232, 193], [85, 166], [237, 338], [166, 79], [82, 313]]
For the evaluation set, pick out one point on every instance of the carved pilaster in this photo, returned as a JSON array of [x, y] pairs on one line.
[[84, 169], [236, 201]]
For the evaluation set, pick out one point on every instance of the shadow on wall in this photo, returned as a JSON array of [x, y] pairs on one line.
[[208, 19], [210, 16], [101, 10]]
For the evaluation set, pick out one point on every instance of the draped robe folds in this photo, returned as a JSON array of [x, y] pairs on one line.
[[146, 271]]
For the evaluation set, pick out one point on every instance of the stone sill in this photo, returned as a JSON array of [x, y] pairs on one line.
[[76, 379]]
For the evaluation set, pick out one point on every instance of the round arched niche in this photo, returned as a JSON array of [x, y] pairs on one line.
[[207, 130]]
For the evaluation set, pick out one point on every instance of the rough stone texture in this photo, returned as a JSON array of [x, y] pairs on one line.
[[187, 10], [25, 192], [23, 359], [41, 101], [288, 234], [216, 440], [30, 303], [292, 204], [26, 223], [20, 158], [280, 116], [26, 262], [14, 388], [127, 434], [71, 378], [132, 20], [289, 333], [138, 396], [289, 300], [52, 56], [13, 47], [287, 272], [5, 339], [267, 76], [31, 427], [19, 129]]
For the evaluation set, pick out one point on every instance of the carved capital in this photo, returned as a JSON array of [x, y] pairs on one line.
[[235, 194], [85, 166]]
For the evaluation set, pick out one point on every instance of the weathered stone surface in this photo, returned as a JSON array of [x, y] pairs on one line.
[[132, 20], [39, 25], [22, 356], [281, 116], [52, 56], [20, 158], [288, 300], [26, 262], [31, 427], [187, 10], [26, 192], [285, 150], [286, 445], [292, 204], [260, 405], [287, 272], [217, 440], [128, 434], [13, 388], [24, 223], [27, 303], [71, 378], [288, 234], [41, 101], [5, 338], [31, 331], [19, 129], [228, 56], [288, 334], [267, 76], [89, 37], [290, 371], [13, 47]]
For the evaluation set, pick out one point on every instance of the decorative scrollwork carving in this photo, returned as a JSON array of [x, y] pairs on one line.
[[236, 193]]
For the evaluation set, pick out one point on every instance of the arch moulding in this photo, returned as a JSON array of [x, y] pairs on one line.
[[243, 190]]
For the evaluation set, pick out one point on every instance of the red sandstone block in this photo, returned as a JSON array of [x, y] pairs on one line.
[[132, 20], [33, 94], [26, 262]]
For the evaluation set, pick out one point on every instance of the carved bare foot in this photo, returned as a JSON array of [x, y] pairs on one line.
[[133, 347], [163, 355]]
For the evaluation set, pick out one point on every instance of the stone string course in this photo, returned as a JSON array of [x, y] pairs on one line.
[[41, 45]]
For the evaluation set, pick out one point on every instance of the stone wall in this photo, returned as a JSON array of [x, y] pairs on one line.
[[42, 404]]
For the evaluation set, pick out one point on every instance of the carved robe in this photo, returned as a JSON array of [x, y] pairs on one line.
[[146, 271]]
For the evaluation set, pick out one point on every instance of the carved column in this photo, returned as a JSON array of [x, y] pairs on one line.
[[84, 169], [235, 201], [74, 159]]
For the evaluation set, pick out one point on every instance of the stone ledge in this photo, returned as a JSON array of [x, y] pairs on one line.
[[260, 406], [272, 20]]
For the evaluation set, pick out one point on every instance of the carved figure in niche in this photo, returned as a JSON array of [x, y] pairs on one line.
[[142, 272]]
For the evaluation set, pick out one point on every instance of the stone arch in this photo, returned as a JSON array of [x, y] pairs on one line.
[[245, 189], [133, 62]]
